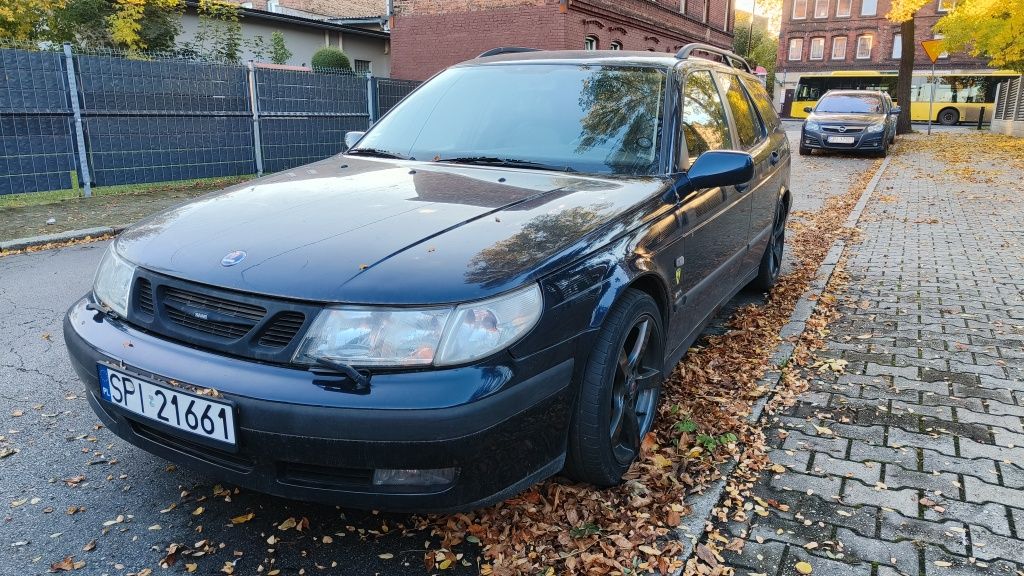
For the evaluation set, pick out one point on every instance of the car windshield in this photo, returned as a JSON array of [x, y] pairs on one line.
[[850, 104], [593, 119]]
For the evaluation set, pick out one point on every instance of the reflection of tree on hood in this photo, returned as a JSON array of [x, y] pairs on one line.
[[618, 99], [540, 237]]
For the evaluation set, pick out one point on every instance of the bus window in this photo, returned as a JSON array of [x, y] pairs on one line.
[[810, 88]]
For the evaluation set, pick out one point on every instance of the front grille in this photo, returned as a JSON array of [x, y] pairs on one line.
[[238, 324], [193, 310], [849, 129], [314, 476], [145, 296], [282, 329], [223, 458]]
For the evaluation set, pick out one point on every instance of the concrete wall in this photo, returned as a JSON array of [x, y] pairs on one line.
[[1008, 127], [303, 42]]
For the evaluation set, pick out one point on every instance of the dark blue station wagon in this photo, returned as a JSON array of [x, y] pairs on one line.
[[488, 288]]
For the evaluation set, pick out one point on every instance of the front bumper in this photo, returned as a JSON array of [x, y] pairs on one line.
[[862, 141], [298, 440]]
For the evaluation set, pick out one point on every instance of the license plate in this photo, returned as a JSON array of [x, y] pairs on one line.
[[187, 412], [840, 139]]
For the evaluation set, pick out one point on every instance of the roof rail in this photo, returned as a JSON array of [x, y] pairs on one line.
[[731, 58], [506, 50]]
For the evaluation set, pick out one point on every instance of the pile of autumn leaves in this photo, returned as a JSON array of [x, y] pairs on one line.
[[558, 527]]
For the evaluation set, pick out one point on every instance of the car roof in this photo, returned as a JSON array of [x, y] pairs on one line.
[[595, 57]]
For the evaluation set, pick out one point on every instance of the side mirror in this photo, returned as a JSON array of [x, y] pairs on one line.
[[808, 109], [720, 168], [895, 111], [351, 138]]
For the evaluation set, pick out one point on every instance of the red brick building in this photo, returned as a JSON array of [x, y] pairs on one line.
[[429, 35], [827, 35]]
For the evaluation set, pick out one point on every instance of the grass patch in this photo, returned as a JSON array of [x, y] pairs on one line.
[[56, 196]]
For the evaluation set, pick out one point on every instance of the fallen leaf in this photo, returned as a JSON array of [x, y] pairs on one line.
[[804, 568], [288, 524], [89, 546], [386, 556], [243, 518], [191, 567], [65, 565]]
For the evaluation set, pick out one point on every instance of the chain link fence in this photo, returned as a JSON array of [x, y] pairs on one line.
[[73, 119]]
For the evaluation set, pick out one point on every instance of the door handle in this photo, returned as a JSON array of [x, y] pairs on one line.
[[774, 158]]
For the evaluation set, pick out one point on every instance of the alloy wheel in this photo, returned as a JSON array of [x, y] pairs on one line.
[[634, 391], [778, 241]]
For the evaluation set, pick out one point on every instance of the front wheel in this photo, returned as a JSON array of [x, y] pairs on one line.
[[619, 393], [771, 262], [804, 150], [949, 117]]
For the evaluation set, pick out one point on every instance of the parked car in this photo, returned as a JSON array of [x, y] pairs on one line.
[[486, 289], [850, 120]]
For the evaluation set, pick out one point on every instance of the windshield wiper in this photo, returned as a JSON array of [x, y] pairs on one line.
[[506, 162], [376, 152]]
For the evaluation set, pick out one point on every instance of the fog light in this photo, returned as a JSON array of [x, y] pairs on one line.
[[435, 477]]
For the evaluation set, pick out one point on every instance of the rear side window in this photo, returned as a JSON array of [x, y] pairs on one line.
[[749, 129], [764, 105], [705, 126]]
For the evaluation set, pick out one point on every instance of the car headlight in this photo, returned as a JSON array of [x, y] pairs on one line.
[[113, 281], [876, 127], [812, 126], [404, 337]]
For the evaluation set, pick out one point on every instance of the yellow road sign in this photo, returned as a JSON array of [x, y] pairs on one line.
[[932, 48]]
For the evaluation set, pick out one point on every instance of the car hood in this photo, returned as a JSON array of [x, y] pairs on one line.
[[847, 119], [370, 231]]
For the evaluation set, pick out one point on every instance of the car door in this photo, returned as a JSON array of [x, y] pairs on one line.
[[714, 221], [772, 168]]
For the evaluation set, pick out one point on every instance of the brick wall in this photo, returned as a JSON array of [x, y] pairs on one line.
[[423, 43], [429, 35], [877, 26]]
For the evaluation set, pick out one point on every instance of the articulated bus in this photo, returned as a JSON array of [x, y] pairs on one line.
[[959, 97]]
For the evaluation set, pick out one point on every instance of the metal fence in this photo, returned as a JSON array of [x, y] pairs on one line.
[[1010, 100], [69, 120]]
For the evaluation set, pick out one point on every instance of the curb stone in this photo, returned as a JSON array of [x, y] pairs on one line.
[[70, 235], [692, 527]]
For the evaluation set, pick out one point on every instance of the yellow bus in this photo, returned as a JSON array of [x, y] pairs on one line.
[[959, 97]]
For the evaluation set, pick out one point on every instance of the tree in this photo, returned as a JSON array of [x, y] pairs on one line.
[[987, 27], [131, 27], [219, 34], [279, 53], [757, 44], [20, 19], [330, 58], [902, 12]]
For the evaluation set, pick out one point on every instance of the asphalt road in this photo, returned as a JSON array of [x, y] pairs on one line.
[[122, 497]]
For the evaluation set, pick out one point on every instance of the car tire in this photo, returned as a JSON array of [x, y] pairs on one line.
[[805, 151], [949, 117], [618, 397], [771, 261]]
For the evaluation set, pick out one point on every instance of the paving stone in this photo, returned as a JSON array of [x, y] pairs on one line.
[[978, 491], [988, 546], [874, 550], [949, 534], [991, 516], [902, 500]]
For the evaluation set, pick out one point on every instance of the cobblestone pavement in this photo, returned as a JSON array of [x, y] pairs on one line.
[[912, 460]]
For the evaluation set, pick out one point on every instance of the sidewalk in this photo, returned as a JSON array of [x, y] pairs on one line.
[[906, 453]]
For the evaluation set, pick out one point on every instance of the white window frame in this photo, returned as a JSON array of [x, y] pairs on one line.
[[863, 7], [849, 8], [820, 42], [870, 44], [943, 6], [823, 4], [615, 45], [800, 3], [842, 55], [590, 42], [799, 51], [897, 46]]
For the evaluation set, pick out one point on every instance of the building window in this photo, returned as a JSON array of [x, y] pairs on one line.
[[362, 67], [821, 8], [616, 45], [799, 9], [839, 48], [817, 49], [897, 46], [843, 8], [946, 5], [590, 43], [868, 7], [941, 54], [864, 47], [796, 48]]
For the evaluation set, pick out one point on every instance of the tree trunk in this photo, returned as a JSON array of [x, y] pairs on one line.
[[906, 76]]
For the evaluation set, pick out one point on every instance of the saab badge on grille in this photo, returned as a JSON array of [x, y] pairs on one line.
[[233, 258]]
